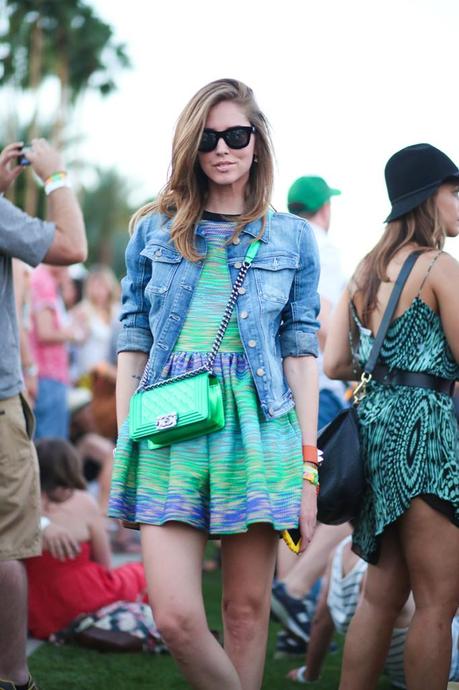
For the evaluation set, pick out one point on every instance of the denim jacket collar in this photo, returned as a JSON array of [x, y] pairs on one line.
[[255, 227]]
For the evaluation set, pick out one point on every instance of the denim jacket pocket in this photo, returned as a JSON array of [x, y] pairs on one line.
[[274, 276], [164, 264]]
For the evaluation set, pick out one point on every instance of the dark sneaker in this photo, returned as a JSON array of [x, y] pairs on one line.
[[333, 648], [293, 613], [289, 646], [8, 685]]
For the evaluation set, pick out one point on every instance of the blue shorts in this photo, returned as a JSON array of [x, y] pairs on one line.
[[51, 409]]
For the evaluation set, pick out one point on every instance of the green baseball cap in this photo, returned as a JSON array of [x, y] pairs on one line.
[[309, 194]]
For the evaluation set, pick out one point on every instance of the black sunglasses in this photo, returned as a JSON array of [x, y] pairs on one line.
[[234, 137]]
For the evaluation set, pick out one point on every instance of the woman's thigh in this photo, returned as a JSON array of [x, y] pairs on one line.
[[248, 562], [431, 547], [387, 583], [173, 555]]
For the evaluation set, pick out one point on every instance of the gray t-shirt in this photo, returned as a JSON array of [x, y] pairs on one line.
[[28, 239]]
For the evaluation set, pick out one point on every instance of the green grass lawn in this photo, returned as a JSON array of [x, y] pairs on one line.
[[73, 668]]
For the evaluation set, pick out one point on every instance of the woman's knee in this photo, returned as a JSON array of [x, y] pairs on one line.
[[243, 617], [441, 610], [389, 601], [179, 628]]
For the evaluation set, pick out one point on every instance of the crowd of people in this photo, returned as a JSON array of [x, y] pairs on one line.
[[293, 338]]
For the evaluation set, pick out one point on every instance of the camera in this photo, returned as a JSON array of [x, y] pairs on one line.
[[22, 158]]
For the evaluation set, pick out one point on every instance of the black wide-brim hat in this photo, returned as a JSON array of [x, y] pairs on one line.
[[414, 174]]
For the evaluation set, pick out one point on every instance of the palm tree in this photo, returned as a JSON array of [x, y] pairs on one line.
[[107, 212], [62, 40]]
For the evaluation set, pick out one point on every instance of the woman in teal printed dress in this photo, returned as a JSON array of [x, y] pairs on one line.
[[245, 483], [408, 526]]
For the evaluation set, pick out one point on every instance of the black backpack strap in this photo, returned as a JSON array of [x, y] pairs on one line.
[[390, 310]]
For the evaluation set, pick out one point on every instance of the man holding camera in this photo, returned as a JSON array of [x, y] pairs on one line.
[[60, 240]]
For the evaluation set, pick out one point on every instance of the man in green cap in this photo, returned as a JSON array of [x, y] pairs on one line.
[[309, 197]]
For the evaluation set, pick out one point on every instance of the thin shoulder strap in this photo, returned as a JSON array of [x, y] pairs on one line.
[[390, 309], [428, 272], [209, 363]]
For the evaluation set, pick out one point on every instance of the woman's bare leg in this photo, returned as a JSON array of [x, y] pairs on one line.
[[286, 560], [312, 563], [248, 567], [385, 591], [173, 557], [431, 546]]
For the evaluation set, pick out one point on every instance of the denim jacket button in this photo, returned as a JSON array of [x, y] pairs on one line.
[[236, 240], [241, 291], [238, 264], [260, 371], [158, 252], [244, 314], [252, 343]]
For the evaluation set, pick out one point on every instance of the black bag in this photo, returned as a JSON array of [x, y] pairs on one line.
[[341, 473]]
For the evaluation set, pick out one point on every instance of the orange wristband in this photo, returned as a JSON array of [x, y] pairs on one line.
[[310, 455]]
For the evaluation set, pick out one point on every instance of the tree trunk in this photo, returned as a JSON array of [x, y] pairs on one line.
[[35, 72], [105, 250], [64, 99]]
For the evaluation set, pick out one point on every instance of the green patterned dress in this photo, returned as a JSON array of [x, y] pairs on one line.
[[248, 472], [409, 434]]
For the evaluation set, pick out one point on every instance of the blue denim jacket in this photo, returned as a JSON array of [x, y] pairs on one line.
[[278, 311]]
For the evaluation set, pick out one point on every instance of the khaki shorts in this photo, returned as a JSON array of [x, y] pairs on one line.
[[19, 482]]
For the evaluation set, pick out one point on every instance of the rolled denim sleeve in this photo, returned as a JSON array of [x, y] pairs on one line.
[[135, 334], [298, 331]]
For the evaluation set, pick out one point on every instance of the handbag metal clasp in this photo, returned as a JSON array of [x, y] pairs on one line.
[[361, 388], [166, 421]]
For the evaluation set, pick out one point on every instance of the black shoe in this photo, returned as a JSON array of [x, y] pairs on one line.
[[289, 646], [293, 613]]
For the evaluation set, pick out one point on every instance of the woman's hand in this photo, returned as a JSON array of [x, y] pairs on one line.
[[308, 515], [59, 542]]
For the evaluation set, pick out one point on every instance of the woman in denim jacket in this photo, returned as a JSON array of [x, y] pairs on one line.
[[243, 484]]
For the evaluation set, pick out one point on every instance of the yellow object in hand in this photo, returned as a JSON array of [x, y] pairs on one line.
[[293, 545]]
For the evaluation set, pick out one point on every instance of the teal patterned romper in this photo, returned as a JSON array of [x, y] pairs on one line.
[[409, 434], [246, 473]]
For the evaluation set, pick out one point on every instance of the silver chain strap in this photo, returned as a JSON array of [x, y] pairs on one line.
[[210, 360]]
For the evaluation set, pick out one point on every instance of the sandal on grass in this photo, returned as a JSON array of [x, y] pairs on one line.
[[298, 676]]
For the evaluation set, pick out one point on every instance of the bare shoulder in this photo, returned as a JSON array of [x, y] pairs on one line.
[[86, 502], [445, 266]]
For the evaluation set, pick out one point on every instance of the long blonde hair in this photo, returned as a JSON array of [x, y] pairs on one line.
[[184, 196], [106, 273], [421, 226]]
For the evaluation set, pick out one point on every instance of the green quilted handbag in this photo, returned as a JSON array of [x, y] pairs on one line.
[[190, 404]]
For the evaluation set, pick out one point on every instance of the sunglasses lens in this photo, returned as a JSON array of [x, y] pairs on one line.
[[238, 138], [235, 138], [208, 141]]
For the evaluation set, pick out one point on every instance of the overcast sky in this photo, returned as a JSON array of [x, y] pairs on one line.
[[344, 83]]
